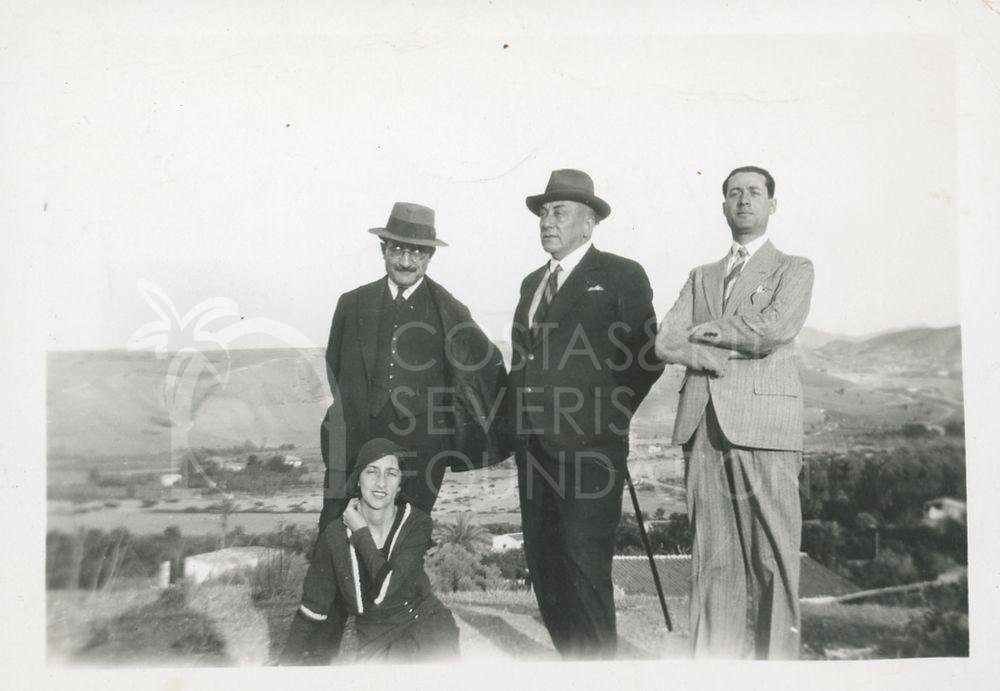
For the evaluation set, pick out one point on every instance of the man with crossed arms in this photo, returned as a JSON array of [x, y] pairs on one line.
[[739, 420]]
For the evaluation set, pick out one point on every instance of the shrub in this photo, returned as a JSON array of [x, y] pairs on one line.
[[452, 567], [890, 568], [510, 563], [941, 632], [822, 540]]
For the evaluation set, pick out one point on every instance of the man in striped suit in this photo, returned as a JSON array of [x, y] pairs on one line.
[[739, 420]]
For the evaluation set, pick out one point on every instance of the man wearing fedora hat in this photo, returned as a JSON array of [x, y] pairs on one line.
[[583, 360], [407, 362]]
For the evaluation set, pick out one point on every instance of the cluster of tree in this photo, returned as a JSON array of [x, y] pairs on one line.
[[93, 559], [891, 485], [259, 475], [864, 514], [245, 447]]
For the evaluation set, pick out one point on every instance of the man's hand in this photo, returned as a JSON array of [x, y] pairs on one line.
[[678, 347], [704, 334], [711, 360], [353, 518]]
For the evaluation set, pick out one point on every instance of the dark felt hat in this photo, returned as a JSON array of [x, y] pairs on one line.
[[412, 224], [570, 185], [370, 452]]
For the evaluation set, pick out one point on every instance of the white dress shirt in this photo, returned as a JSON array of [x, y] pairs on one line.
[[751, 248], [407, 292], [568, 263]]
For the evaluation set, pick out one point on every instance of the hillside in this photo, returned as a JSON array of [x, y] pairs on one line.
[[920, 348], [114, 403]]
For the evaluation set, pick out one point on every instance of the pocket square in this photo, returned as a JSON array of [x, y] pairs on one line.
[[758, 294], [595, 287]]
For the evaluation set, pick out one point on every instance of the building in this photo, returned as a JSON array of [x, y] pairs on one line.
[[199, 568], [939, 511], [502, 543], [170, 479]]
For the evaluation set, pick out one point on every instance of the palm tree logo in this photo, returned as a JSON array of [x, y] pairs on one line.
[[197, 345]]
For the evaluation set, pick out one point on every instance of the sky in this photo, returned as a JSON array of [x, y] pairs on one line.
[[249, 166]]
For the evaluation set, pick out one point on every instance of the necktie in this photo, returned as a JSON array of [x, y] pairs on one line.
[[551, 286], [734, 273], [400, 300]]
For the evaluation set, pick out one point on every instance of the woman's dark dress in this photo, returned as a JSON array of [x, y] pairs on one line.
[[397, 617]]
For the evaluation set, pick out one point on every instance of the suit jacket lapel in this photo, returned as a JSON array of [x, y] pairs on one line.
[[760, 264], [586, 273], [369, 314], [711, 281]]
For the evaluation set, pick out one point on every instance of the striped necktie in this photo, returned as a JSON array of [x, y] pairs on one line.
[[734, 273], [551, 286]]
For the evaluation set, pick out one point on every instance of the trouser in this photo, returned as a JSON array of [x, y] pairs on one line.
[[570, 509], [745, 512]]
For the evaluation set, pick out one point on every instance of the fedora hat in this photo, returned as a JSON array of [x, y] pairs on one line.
[[570, 185], [412, 224]]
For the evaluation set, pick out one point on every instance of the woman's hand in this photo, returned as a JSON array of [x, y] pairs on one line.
[[352, 515]]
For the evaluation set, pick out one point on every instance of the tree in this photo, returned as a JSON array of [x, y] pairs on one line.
[[463, 533], [822, 540], [510, 563]]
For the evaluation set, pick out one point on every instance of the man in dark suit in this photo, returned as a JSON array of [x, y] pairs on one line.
[[407, 362], [582, 363], [739, 420]]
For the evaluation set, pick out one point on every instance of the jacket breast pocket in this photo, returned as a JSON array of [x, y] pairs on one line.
[[777, 385]]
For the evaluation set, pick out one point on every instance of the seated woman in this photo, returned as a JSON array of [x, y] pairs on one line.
[[371, 564]]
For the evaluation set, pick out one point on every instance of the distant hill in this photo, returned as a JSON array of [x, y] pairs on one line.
[[814, 338], [112, 403], [922, 347]]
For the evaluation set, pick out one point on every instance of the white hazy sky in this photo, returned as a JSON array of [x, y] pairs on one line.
[[229, 160]]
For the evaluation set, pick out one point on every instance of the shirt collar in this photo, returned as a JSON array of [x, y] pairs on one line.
[[407, 292], [569, 262], [751, 247]]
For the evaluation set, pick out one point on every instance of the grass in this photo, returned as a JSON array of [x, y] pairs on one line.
[[245, 622], [838, 630]]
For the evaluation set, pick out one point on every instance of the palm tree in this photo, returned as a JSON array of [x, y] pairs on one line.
[[463, 533]]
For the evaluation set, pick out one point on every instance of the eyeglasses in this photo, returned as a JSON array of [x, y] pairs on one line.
[[397, 251]]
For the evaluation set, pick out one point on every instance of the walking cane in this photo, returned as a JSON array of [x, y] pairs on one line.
[[649, 550]]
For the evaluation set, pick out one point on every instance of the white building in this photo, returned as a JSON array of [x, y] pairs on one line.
[[170, 479], [938, 511], [198, 568], [502, 543]]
